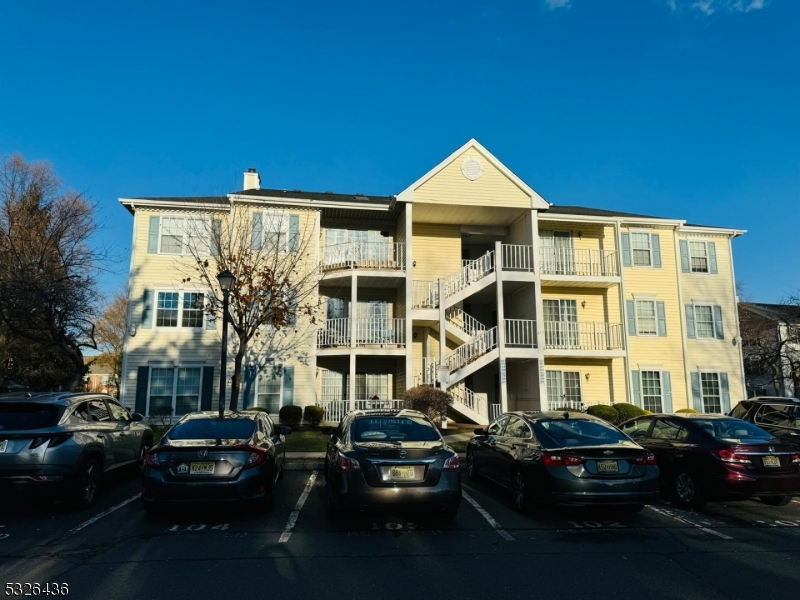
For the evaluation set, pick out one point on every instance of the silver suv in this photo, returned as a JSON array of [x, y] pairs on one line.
[[61, 443]]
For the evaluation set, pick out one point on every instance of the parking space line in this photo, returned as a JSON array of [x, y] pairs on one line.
[[495, 525], [687, 522], [105, 513], [287, 531]]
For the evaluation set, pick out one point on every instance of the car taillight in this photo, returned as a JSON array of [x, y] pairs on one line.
[[730, 456], [59, 439], [257, 455], [452, 463], [559, 460], [347, 465], [153, 459], [645, 459], [38, 442], [795, 459]]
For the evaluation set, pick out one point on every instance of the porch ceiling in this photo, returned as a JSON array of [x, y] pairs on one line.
[[450, 214]]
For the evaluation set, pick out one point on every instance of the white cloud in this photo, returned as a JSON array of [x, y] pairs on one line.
[[709, 7], [555, 4]]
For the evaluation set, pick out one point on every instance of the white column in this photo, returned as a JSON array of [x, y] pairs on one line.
[[352, 381], [539, 316], [501, 327], [353, 308], [442, 333], [409, 299]]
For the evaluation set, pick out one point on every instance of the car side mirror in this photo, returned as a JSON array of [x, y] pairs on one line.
[[284, 430], [136, 417], [479, 431]]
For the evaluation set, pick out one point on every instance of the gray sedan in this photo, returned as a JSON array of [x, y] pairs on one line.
[[59, 444]]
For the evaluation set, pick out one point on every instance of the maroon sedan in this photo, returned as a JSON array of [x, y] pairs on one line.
[[716, 457]]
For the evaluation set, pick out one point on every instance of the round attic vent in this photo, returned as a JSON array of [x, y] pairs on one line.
[[472, 168]]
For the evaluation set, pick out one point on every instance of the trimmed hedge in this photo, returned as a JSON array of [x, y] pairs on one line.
[[313, 415], [605, 412], [626, 412], [690, 411], [291, 415], [429, 400]]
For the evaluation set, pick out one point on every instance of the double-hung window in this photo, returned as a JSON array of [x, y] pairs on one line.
[[563, 389], [641, 248], [268, 389], [180, 309], [651, 391], [704, 321], [711, 392], [646, 319], [177, 388], [698, 257], [276, 230], [184, 236]]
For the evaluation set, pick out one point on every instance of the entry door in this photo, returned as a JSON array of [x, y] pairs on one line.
[[561, 323], [558, 256]]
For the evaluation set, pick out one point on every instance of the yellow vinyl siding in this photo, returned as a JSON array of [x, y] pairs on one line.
[[602, 305], [593, 236], [493, 188], [437, 251], [606, 382]]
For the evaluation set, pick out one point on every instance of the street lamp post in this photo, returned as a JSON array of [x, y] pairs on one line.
[[226, 280]]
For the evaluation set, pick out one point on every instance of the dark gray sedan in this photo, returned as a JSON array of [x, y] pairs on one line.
[[390, 461], [563, 458], [59, 444]]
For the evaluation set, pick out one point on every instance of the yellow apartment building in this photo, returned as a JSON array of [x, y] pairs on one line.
[[467, 279]]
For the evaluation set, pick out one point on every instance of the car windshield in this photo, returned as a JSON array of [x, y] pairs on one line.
[[393, 429], [732, 429], [31, 415], [572, 433], [213, 429]]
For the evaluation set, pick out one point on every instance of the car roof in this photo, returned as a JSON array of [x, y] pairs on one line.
[[535, 415], [59, 398], [383, 412], [228, 414], [704, 416], [773, 400]]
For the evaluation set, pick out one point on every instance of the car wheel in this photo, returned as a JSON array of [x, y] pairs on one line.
[[472, 467], [688, 492], [332, 508], [86, 491], [520, 494], [776, 500]]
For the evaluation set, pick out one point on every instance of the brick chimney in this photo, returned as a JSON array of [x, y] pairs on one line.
[[252, 181]]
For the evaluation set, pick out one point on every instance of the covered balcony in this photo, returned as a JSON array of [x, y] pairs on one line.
[[363, 332], [583, 338], [381, 255]]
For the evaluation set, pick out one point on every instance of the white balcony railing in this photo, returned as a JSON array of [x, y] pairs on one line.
[[470, 272], [333, 332], [379, 331], [463, 395], [425, 294], [463, 355], [335, 410], [425, 370], [464, 321], [379, 404], [364, 255], [581, 262], [494, 411], [563, 403], [563, 335], [520, 333], [517, 258]]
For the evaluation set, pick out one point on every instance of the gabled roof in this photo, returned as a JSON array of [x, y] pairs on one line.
[[783, 313], [317, 196], [536, 200], [130, 203]]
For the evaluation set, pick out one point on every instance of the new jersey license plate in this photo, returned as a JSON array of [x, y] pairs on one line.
[[607, 466], [772, 461], [201, 468], [401, 472]]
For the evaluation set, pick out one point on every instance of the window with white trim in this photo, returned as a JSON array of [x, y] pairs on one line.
[[646, 317], [704, 321], [269, 388], [184, 236], [710, 390], [641, 249], [276, 230], [180, 309], [563, 389], [652, 395], [178, 388], [698, 257]]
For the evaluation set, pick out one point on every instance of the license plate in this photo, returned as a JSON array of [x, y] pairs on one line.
[[3, 444], [607, 466], [201, 468], [402, 473], [772, 461]]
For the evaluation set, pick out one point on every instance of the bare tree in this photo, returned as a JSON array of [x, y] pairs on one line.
[[110, 334], [273, 303], [47, 265]]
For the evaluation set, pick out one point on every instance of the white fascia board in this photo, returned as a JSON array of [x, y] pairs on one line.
[[537, 202], [307, 203], [711, 230], [172, 204], [544, 216]]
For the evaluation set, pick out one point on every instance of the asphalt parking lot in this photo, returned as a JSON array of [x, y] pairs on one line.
[[733, 550]]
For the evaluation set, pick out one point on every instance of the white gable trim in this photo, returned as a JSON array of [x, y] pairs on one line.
[[537, 202]]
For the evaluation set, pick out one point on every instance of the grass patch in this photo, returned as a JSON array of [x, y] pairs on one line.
[[158, 433], [458, 446], [308, 440]]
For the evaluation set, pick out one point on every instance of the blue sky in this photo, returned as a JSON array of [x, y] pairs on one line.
[[681, 108]]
